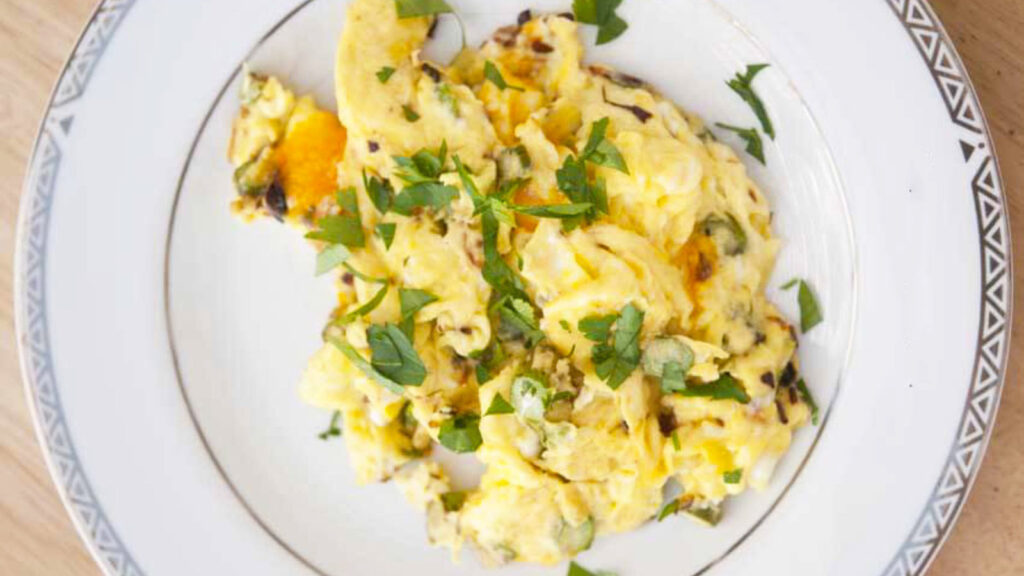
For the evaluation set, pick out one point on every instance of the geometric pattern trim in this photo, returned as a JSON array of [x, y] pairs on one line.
[[34, 334], [936, 521], [946, 501]]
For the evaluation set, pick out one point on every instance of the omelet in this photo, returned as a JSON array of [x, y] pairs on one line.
[[543, 263]]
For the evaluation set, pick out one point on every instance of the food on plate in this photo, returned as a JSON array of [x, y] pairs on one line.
[[540, 262]]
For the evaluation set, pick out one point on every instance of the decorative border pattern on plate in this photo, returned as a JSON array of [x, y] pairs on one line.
[[958, 474], [929, 532], [33, 330]]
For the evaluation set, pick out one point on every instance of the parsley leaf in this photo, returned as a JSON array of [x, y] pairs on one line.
[[386, 231], [368, 279], [810, 312], [365, 367], [742, 85], [751, 136], [412, 300], [453, 501], [461, 434], [409, 113], [554, 210], [365, 308], [669, 509], [414, 8], [600, 151], [519, 315], [597, 328], [499, 406], [344, 228], [733, 476], [725, 388], [330, 258], [489, 360], [424, 194], [675, 441], [384, 74], [421, 172], [727, 231], [380, 192], [332, 429], [394, 356], [600, 13], [673, 377], [565, 325], [492, 74], [805, 395], [615, 361]]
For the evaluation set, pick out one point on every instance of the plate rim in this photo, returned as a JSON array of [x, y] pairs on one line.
[[929, 531]]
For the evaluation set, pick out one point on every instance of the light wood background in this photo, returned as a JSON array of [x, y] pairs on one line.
[[38, 538]]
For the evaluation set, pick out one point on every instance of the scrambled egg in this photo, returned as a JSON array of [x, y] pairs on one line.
[[638, 349]]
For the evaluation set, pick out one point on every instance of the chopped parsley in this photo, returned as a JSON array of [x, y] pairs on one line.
[[810, 311], [409, 113], [742, 84], [453, 501], [518, 313], [365, 367], [565, 325], [368, 279], [386, 231], [343, 228], [421, 172], [499, 406], [805, 395], [365, 308], [733, 476], [412, 300], [414, 8], [461, 434], [332, 429], [673, 377], [380, 192], [554, 210], [675, 441], [751, 136], [725, 388], [489, 360], [384, 74], [668, 509], [600, 151], [614, 361], [393, 355], [572, 178], [331, 257], [492, 74], [597, 328], [601, 13]]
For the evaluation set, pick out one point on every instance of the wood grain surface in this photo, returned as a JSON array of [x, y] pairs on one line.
[[38, 538]]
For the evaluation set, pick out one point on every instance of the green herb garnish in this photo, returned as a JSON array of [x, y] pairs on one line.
[[365, 367], [742, 84], [414, 8], [368, 279], [499, 406], [332, 428], [805, 395], [453, 501], [365, 308], [553, 210], [601, 13], [393, 355], [380, 192], [409, 113], [572, 177], [725, 388], [331, 257], [733, 476], [412, 300], [565, 325], [597, 328], [421, 172], [489, 360], [673, 377], [810, 312], [675, 441], [519, 314], [461, 434], [614, 361], [668, 509], [384, 74], [492, 74], [344, 228], [386, 231], [600, 151], [751, 136]]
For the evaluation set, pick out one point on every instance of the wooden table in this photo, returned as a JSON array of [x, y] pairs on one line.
[[35, 38]]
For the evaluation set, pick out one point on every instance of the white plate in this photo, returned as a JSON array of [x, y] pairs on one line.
[[161, 340]]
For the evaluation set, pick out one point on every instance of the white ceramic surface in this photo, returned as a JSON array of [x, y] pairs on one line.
[[162, 340]]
